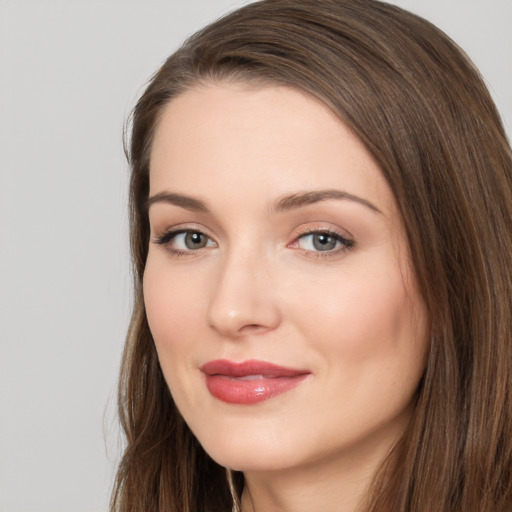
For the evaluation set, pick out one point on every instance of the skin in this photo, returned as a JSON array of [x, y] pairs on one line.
[[261, 289]]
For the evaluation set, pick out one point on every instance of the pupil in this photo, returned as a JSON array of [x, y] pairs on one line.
[[194, 240]]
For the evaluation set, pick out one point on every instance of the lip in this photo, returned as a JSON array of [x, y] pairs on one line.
[[249, 382]]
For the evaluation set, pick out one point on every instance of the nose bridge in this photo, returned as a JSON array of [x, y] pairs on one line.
[[242, 297]]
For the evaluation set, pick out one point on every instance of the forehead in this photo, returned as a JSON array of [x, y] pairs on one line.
[[269, 139]]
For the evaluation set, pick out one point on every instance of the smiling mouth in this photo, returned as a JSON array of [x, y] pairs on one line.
[[249, 382]]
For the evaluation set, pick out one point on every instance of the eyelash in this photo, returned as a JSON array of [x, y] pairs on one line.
[[347, 244]]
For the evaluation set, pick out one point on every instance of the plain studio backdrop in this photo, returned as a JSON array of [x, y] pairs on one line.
[[70, 71]]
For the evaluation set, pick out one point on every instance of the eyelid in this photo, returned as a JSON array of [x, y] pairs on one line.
[[322, 227], [175, 229]]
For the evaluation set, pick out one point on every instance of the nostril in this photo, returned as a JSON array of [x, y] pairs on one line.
[[252, 328]]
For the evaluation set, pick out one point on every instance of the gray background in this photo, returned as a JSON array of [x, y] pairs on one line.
[[70, 70]]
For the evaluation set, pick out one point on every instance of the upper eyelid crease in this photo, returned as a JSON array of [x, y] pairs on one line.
[[289, 202]]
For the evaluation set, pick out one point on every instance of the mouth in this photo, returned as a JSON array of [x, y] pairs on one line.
[[250, 382]]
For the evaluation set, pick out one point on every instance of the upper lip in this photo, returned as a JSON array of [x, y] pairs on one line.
[[251, 367]]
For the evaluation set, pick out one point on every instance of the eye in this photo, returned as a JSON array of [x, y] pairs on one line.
[[323, 241], [185, 241], [191, 240]]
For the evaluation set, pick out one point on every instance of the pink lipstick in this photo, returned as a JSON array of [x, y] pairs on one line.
[[249, 382]]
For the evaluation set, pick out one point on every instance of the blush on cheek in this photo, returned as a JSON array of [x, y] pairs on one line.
[[159, 305], [368, 315]]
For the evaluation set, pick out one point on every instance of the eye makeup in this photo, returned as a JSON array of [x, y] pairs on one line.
[[312, 241]]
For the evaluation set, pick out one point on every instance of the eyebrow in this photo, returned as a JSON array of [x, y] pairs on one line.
[[289, 202], [306, 198], [187, 202]]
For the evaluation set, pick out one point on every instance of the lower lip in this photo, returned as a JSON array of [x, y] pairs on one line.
[[246, 392]]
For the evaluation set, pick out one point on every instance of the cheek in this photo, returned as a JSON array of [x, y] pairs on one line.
[[369, 334], [172, 304], [174, 311], [369, 318]]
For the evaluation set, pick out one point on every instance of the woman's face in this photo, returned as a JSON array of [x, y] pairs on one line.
[[277, 287]]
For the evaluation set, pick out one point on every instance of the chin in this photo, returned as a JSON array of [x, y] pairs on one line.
[[247, 460], [248, 451]]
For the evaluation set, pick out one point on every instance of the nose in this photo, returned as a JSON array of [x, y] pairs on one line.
[[243, 298]]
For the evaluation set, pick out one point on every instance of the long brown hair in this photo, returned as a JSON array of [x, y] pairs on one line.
[[421, 108]]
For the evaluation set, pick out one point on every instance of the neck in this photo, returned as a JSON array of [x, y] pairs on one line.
[[318, 491]]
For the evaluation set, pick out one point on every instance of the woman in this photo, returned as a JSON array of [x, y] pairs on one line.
[[321, 221]]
